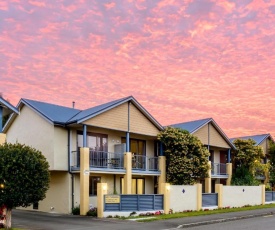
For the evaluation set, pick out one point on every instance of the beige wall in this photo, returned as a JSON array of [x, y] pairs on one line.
[[58, 197], [264, 145], [60, 148], [117, 119], [180, 201], [31, 129], [215, 138], [238, 196]]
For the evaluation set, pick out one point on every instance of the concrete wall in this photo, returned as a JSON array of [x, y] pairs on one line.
[[238, 196], [182, 201]]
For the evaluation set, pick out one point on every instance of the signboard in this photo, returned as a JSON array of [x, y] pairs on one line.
[[112, 199]]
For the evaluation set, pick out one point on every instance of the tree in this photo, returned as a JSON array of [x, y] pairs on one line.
[[186, 157], [271, 153], [24, 177], [246, 160]]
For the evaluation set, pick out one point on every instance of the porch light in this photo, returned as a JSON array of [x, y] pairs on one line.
[[2, 186], [168, 187], [104, 187]]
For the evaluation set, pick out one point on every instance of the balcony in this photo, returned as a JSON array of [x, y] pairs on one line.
[[218, 170], [108, 161]]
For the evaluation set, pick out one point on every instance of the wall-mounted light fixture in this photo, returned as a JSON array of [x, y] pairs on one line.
[[168, 187], [104, 187]]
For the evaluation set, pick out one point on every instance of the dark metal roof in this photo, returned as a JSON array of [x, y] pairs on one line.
[[7, 107], [54, 113], [65, 115], [192, 126], [257, 138]]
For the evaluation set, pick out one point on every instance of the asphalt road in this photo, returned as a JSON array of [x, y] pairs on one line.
[[31, 220]]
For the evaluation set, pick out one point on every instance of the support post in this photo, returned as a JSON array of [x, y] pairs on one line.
[[2, 138], [208, 179], [162, 169], [84, 181], [263, 193], [128, 174], [101, 191], [229, 173], [219, 190], [199, 197], [165, 190]]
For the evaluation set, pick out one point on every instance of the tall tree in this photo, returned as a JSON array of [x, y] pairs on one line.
[[186, 157], [24, 177], [246, 159]]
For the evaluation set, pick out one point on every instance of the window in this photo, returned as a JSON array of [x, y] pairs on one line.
[[95, 141], [136, 146], [35, 205], [138, 185], [93, 185]]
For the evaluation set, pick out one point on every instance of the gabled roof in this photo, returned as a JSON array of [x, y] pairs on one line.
[[7, 107], [257, 138], [61, 115], [193, 126]]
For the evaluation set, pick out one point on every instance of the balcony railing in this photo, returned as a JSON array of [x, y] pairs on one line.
[[218, 169], [108, 160], [140, 162], [100, 159]]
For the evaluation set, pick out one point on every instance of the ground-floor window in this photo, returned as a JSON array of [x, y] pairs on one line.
[[138, 185], [35, 205], [93, 185]]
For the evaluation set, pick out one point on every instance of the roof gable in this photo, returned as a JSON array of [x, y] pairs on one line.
[[257, 138], [7, 107], [193, 126]]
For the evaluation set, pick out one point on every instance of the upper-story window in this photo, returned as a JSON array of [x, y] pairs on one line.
[[138, 147], [95, 141]]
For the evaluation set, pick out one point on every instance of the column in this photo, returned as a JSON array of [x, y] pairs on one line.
[[208, 180], [84, 181], [219, 190], [229, 173], [2, 138], [128, 175], [165, 190], [199, 197], [101, 191], [162, 169]]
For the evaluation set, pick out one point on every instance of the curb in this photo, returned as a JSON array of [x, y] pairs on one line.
[[223, 220]]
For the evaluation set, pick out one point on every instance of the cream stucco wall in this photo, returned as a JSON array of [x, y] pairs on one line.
[[202, 134], [60, 148], [265, 146], [180, 201], [238, 196], [31, 129]]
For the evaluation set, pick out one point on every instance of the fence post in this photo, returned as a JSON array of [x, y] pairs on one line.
[[128, 175], [2, 138], [84, 181], [165, 190], [208, 179], [199, 196], [229, 173], [263, 193], [101, 191], [219, 190]]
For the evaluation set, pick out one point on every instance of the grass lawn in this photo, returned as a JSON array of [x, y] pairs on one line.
[[199, 213]]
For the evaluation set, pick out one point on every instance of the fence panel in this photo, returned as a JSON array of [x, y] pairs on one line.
[[209, 199], [136, 203]]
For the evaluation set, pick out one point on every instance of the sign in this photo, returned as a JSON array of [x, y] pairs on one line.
[[112, 199]]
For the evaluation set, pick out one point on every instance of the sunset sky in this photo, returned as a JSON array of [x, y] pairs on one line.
[[181, 59]]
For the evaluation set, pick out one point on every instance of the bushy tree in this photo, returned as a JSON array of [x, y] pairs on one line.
[[271, 153], [246, 159], [186, 157], [24, 177]]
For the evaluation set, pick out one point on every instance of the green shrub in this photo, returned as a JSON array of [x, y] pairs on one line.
[[76, 210], [92, 212]]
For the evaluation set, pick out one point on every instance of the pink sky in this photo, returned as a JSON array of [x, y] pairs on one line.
[[182, 60]]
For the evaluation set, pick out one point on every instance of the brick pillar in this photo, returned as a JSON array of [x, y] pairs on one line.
[[84, 181], [229, 173], [128, 175], [162, 169], [101, 191]]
